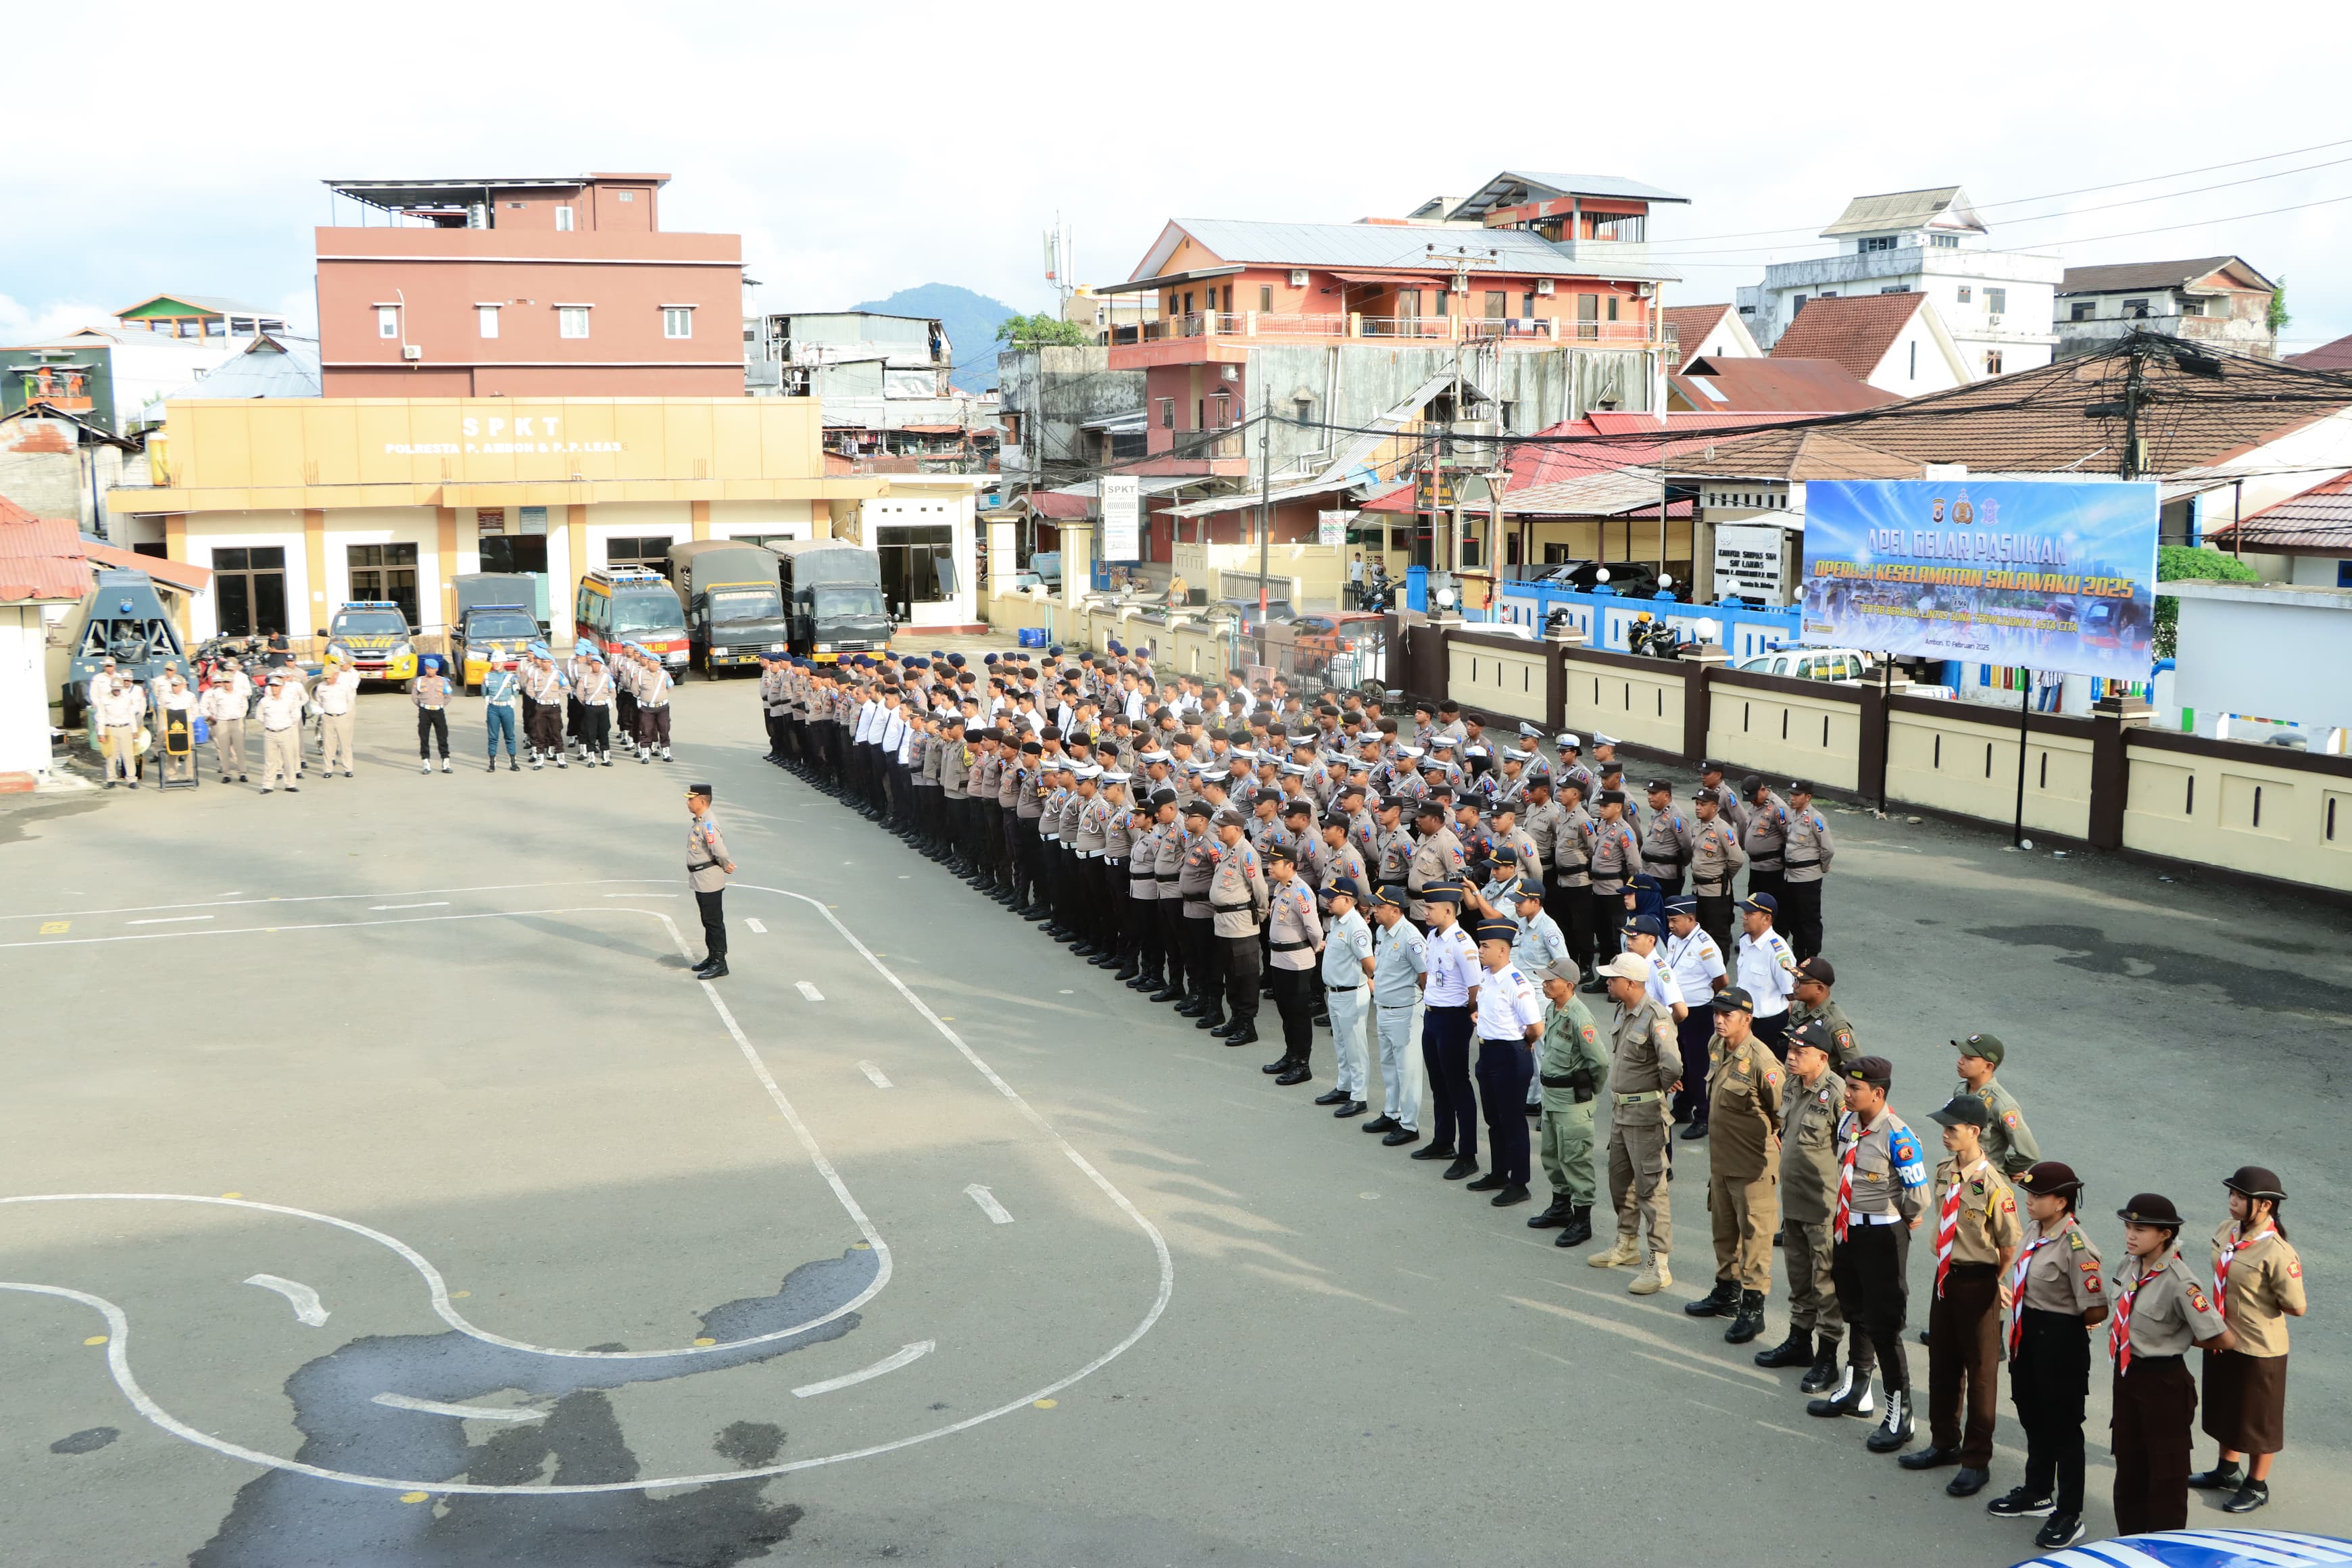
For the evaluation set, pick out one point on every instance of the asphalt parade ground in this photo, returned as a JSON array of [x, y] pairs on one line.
[[377, 1187]]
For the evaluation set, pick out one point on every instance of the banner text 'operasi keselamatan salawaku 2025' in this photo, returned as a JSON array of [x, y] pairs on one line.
[[2050, 575]]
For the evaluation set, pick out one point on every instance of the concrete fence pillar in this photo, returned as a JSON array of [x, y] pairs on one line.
[[1698, 692], [1558, 645], [2112, 721]]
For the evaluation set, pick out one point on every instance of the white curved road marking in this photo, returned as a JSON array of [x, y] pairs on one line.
[[306, 1302], [119, 1325], [462, 1412], [988, 1204], [807, 990], [172, 919], [875, 1074], [906, 1354]]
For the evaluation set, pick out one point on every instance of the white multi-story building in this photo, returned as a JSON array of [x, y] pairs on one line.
[[1996, 304]]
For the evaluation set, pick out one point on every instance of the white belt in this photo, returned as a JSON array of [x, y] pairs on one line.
[[1874, 1218]]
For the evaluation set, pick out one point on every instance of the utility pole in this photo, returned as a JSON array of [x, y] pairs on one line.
[[1264, 505]]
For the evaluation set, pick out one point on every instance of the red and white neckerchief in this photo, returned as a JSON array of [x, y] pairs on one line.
[[2236, 1245], [1852, 1147], [2119, 1326], [1947, 1225], [2016, 1288]]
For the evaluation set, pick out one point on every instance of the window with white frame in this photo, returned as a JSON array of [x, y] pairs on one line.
[[388, 321], [563, 220], [572, 320], [677, 321], [486, 319]]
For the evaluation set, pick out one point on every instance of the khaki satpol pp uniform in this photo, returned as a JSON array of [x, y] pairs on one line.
[[1644, 1063], [1743, 1119]]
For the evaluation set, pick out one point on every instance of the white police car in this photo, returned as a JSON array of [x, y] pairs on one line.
[[2201, 1549]]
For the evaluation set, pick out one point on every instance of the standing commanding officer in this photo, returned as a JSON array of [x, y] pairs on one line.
[[1400, 969], [1805, 856], [1812, 1103], [431, 692], [501, 692], [1571, 1070], [1882, 1178], [281, 736], [1347, 971], [1453, 978], [336, 693], [1668, 843], [1809, 1003], [1763, 838], [1508, 1017], [118, 719], [707, 870], [1743, 1093], [2258, 1285], [1715, 859], [1764, 967], [1977, 1234], [2055, 1296], [2008, 1140], [1645, 1066], [1237, 902], [2159, 1311]]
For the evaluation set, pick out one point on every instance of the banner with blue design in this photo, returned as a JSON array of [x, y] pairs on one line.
[[2054, 574]]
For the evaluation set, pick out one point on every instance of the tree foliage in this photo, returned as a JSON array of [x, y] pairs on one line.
[[1042, 331], [2276, 318], [2181, 562]]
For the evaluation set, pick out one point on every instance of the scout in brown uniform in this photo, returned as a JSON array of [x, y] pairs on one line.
[[1813, 1102], [1645, 1066], [2258, 1282], [1976, 1233], [2055, 1296], [1743, 1112], [2160, 1309]]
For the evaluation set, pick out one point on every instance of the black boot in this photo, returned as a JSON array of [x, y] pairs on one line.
[[1578, 1229], [1245, 1036], [1129, 969], [1895, 1431], [1557, 1215], [1211, 1018], [1797, 1350], [1166, 994], [1823, 1373], [1749, 1322], [1850, 1397], [1717, 1302]]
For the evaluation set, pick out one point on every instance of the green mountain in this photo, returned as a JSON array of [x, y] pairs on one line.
[[970, 318]]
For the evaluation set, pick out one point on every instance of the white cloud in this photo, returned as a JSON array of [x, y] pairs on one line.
[[22, 324]]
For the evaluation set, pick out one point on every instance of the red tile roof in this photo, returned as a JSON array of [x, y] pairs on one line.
[[1777, 385], [1691, 324], [1854, 330], [40, 558], [2336, 355], [2319, 519]]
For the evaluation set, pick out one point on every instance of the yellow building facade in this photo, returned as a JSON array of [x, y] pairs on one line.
[[299, 505]]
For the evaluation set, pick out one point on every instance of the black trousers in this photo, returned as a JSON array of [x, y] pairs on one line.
[[1445, 1053], [1172, 949], [1505, 1069], [596, 728], [1868, 1267], [432, 723], [1294, 999], [1143, 933], [1715, 918], [1669, 881], [1608, 923], [1202, 958], [1571, 910], [1762, 882], [1801, 913], [1774, 1031], [1027, 849], [1691, 1034], [2050, 1384], [1242, 978], [714, 922], [628, 700]]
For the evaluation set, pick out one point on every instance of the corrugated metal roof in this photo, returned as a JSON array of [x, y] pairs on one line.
[[1905, 209], [273, 365], [1389, 245], [1512, 187], [2150, 275], [40, 558]]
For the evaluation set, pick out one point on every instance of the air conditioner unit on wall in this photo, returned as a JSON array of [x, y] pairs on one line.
[[1543, 287], [1298, 277], [411, 350]]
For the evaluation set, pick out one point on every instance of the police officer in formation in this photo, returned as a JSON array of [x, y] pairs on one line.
[[1439, 916]]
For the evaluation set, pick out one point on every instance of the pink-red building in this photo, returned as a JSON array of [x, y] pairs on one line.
[[550, 286]]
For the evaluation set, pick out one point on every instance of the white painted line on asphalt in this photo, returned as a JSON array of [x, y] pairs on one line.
[[462, 1412], [756, 926], [807, 990], [641, 895], [378, 909], [988, 1204], [170, 920], [907, 1353], [871, 1071], [305, 1299]]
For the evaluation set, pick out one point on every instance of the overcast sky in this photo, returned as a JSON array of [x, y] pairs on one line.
[[861, 150]]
